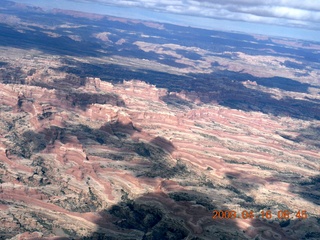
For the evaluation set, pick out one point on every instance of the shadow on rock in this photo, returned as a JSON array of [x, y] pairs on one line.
[[308, 189], [176, 101], [161, 216], [310, 136]]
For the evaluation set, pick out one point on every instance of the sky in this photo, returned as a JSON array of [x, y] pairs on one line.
[[288, 18]]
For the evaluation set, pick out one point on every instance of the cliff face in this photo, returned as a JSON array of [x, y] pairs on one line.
[[82, 157]]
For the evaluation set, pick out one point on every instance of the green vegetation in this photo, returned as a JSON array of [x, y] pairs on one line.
[[234, 162], [195, 197], [199, 125], [211, 137], [143, 149]]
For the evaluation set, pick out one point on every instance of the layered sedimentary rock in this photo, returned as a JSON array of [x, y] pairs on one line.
[[101, 160], [113, 128]]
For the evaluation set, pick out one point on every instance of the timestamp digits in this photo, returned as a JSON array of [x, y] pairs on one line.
[[281, 214]]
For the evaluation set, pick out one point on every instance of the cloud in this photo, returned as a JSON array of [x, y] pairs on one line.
[[290, 13]]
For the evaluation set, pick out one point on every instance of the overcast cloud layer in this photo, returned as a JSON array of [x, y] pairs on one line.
[[290, 13]]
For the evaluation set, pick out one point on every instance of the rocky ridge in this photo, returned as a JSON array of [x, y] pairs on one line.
[[129, 131], [81, 157]]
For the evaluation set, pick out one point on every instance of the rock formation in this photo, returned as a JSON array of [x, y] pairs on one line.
[[99, 143]]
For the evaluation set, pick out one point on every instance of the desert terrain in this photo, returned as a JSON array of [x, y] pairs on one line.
[[113, 128]]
